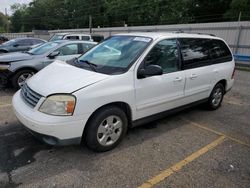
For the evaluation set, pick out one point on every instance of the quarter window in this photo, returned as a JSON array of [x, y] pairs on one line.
[[164, 54], [219, 52], [87, 38]]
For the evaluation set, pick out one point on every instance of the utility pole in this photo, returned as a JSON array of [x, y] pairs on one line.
[[239, 18], [90, 24], [6, 14]]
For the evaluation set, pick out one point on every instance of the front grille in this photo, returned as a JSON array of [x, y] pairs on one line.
[[30, 96]]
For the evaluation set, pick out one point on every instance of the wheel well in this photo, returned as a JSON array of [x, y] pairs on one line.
[[224, 83], [124, 106], [25, 68]]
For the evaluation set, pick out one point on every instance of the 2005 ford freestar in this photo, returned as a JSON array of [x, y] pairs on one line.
[[126, 80]]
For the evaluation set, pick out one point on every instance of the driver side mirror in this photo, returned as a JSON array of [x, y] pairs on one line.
[[150, 70], [53, 54]]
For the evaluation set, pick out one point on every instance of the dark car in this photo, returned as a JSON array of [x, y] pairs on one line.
[[20, 44], [3, 39], [16, 68]]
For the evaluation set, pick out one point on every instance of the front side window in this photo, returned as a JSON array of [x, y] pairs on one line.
[[164, 54], [69, 49], [116, 54], [84, 47], [195, 52]]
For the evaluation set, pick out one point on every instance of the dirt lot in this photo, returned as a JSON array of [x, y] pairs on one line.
[[194, 148]]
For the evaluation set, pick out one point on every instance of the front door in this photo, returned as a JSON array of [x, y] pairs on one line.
[[160, 93]]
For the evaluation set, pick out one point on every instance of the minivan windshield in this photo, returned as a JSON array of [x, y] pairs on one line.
[[42, 49], [114, 55]]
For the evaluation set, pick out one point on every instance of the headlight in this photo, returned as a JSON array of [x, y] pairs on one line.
[[59, 105], [4, 67]]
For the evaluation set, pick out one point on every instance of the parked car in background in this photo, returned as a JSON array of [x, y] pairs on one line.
[[127, 80], [20, 44], [16, 68], [3, 39], [86, 37]]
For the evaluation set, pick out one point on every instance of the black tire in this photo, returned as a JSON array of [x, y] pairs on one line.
[[92, 137], [15, 78], [3, 52], [211, 103]]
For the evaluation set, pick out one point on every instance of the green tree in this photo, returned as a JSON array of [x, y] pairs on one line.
[[236, 7], [3, 23]]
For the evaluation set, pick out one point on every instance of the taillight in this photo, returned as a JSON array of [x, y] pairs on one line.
[[233, 73]]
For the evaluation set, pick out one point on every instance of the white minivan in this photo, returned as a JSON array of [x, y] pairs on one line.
[[125, 81]]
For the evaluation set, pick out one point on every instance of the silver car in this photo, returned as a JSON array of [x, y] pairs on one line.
[[16, 68]]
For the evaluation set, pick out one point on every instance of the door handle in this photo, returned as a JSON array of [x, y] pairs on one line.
[[193, 76], [178, 79]]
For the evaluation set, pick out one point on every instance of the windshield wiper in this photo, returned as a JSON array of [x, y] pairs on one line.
[[91, 65]]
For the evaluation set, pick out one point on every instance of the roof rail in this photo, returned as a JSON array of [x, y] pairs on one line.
[[181, 31]]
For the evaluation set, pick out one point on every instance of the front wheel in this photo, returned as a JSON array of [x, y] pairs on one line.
[[106, 129], [216, 97], [21, 77]]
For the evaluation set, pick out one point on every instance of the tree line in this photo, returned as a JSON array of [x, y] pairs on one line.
[[66, 14]]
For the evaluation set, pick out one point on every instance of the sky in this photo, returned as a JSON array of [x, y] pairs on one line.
[[7, 3]]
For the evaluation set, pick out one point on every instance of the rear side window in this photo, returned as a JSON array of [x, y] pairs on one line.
[[219, 52], [72, 37], [25, 42], [195, 52]]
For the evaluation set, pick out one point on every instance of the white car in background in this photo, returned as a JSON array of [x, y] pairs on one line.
[[96, 98], [77, 36]]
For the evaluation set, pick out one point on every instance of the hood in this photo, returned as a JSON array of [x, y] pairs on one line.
[[60, 77], [16, 56]]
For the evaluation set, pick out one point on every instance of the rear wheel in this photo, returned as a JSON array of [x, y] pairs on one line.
[[216, 97], [106, 129], [21, 77]]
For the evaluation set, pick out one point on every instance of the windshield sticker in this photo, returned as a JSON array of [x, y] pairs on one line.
[[141, 39]]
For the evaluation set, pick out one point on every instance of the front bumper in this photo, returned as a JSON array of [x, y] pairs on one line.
[[54, 130]]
